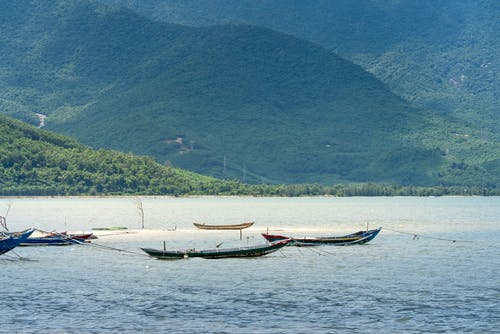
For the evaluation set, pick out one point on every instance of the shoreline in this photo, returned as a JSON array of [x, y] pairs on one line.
[[226, 196]]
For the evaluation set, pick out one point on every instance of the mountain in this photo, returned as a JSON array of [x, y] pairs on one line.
[[231, 101], [438, 54], [37, 162]]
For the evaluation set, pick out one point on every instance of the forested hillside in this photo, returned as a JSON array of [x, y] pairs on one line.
[[230, 101], [438, 54], [37, 162]]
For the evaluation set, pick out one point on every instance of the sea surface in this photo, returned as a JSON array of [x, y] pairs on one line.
[[434, 268]]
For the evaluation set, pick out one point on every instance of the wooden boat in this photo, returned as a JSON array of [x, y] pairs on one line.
[[9, 241], [217, 253], [57, 239], [111, 228], [85, 237], [357, 238], [223, 227]]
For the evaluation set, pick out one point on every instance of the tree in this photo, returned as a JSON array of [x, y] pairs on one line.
[[140, 208]]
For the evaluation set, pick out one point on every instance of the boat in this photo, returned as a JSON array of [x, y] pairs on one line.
[[57, 239], [357, 238], [85, 237], [9, 241], [110, 228], [217, 253], [223, 227]]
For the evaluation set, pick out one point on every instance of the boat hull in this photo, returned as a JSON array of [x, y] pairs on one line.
[[223, 227], [253, 251], [12, 240], [165, 254], [57, 239], [357, 238]]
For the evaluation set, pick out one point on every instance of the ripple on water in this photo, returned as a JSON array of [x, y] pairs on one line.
[[394, 284]]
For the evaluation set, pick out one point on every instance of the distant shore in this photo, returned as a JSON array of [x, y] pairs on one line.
[[231, 196]]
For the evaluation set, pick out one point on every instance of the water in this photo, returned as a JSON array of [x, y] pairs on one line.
[[393, 284]]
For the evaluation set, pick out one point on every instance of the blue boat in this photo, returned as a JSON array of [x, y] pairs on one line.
[[358, 238], [52, 239], [9, 241]]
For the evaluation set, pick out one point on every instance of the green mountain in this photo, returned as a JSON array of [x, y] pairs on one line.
[[37, 162], [438, 54], [229, 101]]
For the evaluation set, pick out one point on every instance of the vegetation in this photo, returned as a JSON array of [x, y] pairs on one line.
[[35, 162], [235, 102], [437, 54]]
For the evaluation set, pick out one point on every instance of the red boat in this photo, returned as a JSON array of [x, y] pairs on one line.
[[75, 236], [81, 237]]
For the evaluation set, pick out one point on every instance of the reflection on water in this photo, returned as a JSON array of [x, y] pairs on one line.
[[393, 284]]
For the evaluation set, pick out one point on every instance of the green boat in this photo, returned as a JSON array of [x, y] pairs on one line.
[[217, 253], [111, 228]]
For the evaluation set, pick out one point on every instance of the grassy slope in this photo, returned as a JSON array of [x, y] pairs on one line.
[[279, 109]]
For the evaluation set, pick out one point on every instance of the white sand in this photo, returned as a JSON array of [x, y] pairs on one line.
[[195, 234]]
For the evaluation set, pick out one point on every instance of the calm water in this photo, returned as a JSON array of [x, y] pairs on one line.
[[393, 284]]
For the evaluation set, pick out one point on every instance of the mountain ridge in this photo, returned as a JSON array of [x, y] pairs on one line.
[[436, 54], [247, 102]]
